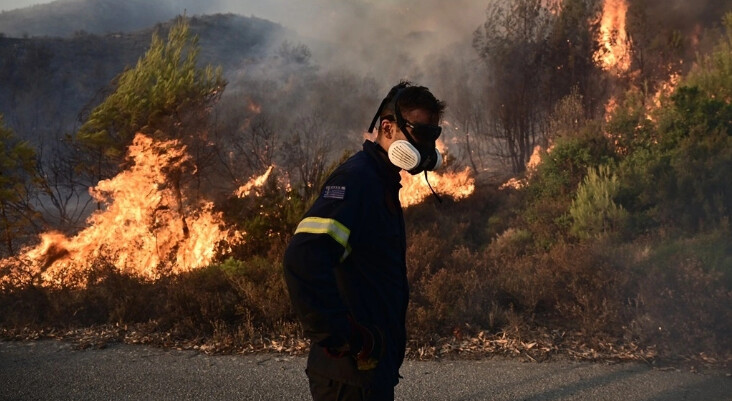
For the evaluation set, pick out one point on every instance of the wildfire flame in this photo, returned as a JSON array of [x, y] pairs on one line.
[[531, 166], [613, 39], [457, 185], [665, 89], [253, 107], [146, 228], [253, 183]]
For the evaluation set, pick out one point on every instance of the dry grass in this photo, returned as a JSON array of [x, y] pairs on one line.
[[474, 294]]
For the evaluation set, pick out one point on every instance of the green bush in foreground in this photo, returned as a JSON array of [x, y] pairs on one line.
[[593, 210]]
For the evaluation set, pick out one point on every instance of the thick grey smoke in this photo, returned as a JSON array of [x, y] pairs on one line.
[[389, 39], [360, 49]]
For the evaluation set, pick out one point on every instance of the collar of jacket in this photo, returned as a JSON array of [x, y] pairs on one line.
[[385, 167]]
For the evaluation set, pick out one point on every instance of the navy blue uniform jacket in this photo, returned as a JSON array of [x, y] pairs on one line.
[[348, 258]]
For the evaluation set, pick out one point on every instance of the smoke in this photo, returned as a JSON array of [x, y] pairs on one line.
[[692, 21], [388, 39], [357, 51], [684, 15]]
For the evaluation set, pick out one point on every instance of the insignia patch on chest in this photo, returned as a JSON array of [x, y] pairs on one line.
[[334, 192]]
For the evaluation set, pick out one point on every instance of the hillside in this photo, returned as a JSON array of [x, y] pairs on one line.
[[49, 81], [64, 18]]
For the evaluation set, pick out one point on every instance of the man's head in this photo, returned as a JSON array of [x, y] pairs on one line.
[[408, 127]]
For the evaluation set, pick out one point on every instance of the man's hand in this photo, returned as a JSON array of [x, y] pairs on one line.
[[367, 346], [364, 345]]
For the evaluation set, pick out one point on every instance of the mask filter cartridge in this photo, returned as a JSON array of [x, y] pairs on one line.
[[404, 155]]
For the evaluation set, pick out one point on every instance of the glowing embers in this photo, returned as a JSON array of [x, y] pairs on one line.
[[614, 44], [146, 226]]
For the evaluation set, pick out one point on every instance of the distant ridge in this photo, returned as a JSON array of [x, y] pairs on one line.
[[50, 83], [64, 18]]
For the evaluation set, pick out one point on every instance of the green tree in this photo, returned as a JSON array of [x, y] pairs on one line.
[[18, 177], [675, 164], [713, 72], [166, 95]]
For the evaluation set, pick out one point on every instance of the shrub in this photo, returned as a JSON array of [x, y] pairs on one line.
[[684, 297], [267, 220], [680, 182], [260, 286], [563, 167], [197, 300], [109, 297], [593, 210], [551, 189], [461, 292]]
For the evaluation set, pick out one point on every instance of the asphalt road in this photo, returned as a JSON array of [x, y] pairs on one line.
[[53, 370]]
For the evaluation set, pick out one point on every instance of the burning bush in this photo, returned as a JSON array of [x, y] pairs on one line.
[[145, 227]]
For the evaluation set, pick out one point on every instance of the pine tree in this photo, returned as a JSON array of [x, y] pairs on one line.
[[166, 95]]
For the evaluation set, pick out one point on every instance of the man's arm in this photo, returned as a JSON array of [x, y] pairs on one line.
[[309, 266]]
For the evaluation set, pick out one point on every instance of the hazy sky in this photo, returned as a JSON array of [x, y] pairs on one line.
[[6, 5], [365, 32], [335, 15]]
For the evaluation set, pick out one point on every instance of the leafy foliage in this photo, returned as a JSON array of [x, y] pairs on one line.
[[18, 179], [163, 96], [594, 211], [267, 219]]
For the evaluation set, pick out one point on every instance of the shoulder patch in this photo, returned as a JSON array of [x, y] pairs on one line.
[[334, 192]]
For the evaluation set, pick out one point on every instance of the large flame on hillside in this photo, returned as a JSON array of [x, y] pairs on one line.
[[614, 44], [457, 185], [146, 227]]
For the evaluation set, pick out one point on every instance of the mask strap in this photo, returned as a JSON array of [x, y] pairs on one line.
[[376, 117], [403, 125], [431, 189], [384, 102]]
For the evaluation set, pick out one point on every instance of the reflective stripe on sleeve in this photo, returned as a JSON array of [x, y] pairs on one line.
[[320, 225]]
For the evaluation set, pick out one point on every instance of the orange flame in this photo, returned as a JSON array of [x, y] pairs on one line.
[[531, 166], [146, 228], [665, 90], [254, 107], [613, 39], [253, 183], [610, 107], [457, 185]]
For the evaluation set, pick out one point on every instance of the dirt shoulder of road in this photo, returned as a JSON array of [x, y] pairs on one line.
[[549, 347]]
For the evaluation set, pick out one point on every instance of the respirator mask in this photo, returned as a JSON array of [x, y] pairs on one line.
[[418, 153]]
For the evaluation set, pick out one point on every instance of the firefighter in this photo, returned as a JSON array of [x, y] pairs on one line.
[[345, 266]]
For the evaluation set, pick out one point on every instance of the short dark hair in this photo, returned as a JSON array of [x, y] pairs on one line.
[[410, 98]]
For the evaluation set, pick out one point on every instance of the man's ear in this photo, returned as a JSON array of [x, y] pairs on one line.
[[386, 128]]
